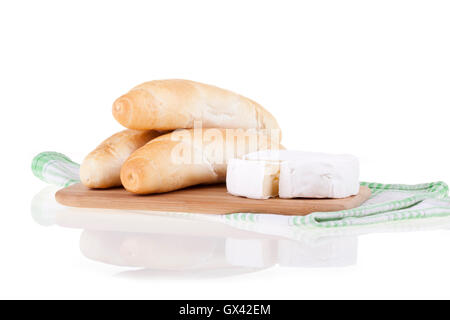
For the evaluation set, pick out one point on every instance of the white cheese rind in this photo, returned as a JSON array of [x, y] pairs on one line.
[[332, 176], [282, 155]]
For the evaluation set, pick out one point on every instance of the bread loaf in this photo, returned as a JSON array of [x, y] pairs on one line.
[[188, 157], [174, 104], [101, 167]]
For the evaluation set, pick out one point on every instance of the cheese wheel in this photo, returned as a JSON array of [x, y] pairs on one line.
[[293, 174]]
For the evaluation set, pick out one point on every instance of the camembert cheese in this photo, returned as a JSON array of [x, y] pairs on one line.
[[293, 174]]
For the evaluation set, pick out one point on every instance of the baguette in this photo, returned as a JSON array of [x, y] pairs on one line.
[[101, 167], [174, 104], [185, 158]]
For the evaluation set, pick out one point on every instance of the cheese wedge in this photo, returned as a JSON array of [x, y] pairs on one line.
[[253, 179], [293, 174]]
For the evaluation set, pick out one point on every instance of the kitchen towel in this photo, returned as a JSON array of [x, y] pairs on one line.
[[55, 168], [388, 202]]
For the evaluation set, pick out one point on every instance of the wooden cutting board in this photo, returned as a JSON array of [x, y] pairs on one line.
[[212, 199]]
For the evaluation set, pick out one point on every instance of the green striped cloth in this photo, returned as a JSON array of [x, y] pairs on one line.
[[388, 202], [55, 168]]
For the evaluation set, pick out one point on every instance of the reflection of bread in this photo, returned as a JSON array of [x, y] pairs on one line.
[[174, 104], [101, 167], [188, 157], [155, 251]]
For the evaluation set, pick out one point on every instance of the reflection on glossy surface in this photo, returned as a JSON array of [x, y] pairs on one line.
[[338, 252], [160, 255], [178, 245], [150, 250], [44, 207]]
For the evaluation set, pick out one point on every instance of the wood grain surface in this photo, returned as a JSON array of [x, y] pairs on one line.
[[210, 199]]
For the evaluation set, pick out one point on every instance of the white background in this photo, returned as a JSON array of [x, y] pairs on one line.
[[371, 78]]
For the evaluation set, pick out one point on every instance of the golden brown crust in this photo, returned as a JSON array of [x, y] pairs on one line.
[[188, 157], [173, 104], [101, 167]]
